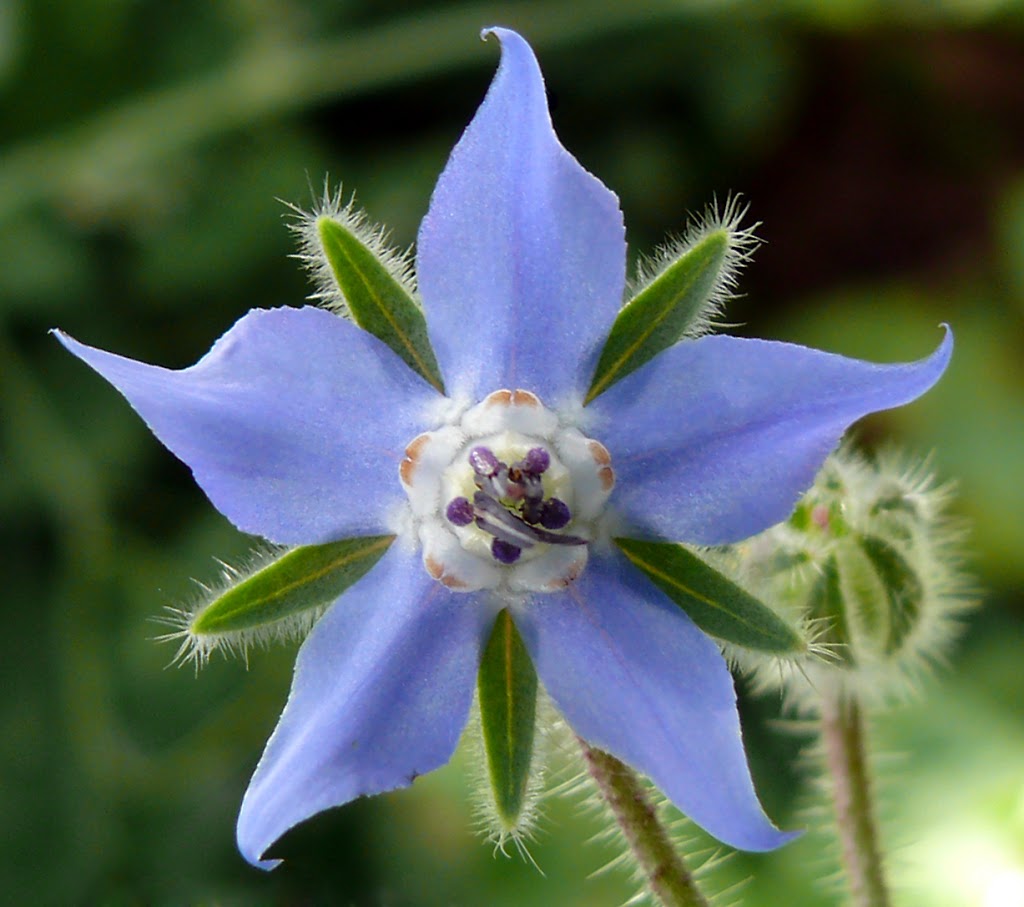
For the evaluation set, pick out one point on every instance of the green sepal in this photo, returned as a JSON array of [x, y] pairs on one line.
[[660, 314], [825, 603], [903, 587], [507, 690], [715, 603], [883, 593], [311, 576], [377, 301]]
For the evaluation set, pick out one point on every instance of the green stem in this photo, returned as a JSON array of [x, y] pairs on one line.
[[842, 730], [663, 869]]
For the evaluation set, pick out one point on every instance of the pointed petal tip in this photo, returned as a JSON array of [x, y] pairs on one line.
[[609, 655], [946, 346], [65, 340], [520, 64], [381, 693], [766, 839], [933, 367], [502, 34], [92, 356], [253, 852], [519, 229]]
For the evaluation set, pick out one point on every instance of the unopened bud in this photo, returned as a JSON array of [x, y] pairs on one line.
[[870, 558]]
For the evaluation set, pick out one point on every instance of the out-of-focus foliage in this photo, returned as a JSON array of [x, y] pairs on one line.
[[142, 147]]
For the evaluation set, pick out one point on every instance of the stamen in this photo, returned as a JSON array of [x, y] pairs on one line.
[[554, 514], [493, 517], [460, 512], [536, 461], [504, 552], [509, 504], [484, 462], [532, 487], [496, 490]]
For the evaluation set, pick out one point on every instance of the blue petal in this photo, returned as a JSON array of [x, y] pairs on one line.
[[381, 692], [715, 439], [521, 257], [633, 676], [293, 424]]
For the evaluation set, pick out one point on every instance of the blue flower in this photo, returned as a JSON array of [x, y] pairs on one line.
[[304, 429]]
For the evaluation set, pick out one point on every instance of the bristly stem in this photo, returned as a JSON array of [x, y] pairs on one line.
[[842, 730], [664, 872]]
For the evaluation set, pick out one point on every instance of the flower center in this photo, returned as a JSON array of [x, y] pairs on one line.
[[506, 496], [508, 503]]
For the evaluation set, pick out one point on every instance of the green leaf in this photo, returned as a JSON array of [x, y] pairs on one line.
[[507, 687], [715, 604], [377, 300], [311, 576], [660, 314]]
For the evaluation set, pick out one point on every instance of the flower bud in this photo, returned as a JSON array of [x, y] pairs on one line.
[[870, 559]]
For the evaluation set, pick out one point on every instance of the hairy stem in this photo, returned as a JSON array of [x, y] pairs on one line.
[[664, 871], [842, 729]]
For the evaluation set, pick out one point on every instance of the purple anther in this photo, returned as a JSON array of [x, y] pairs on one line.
[[483, 461], [536, 461], [505, 552], [493, 517], [459, 512], [554, 514]]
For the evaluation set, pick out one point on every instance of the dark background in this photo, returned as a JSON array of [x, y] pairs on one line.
[[143, 146]]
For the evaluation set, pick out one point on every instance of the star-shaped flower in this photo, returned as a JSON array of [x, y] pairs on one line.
[[505, 493]]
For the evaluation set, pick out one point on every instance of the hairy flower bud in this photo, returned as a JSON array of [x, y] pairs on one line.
[[871, 560]]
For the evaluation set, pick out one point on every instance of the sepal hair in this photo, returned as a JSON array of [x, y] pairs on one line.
[[326, 292], [196, 648], [741, 244], [488, 820]]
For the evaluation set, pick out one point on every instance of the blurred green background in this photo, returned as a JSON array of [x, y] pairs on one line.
[[143, 146]]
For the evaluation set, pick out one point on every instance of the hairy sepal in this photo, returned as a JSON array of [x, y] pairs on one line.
[[678, 294], [882, 594], [279, 598], [361, 277], [507, 697], [716, 604]]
